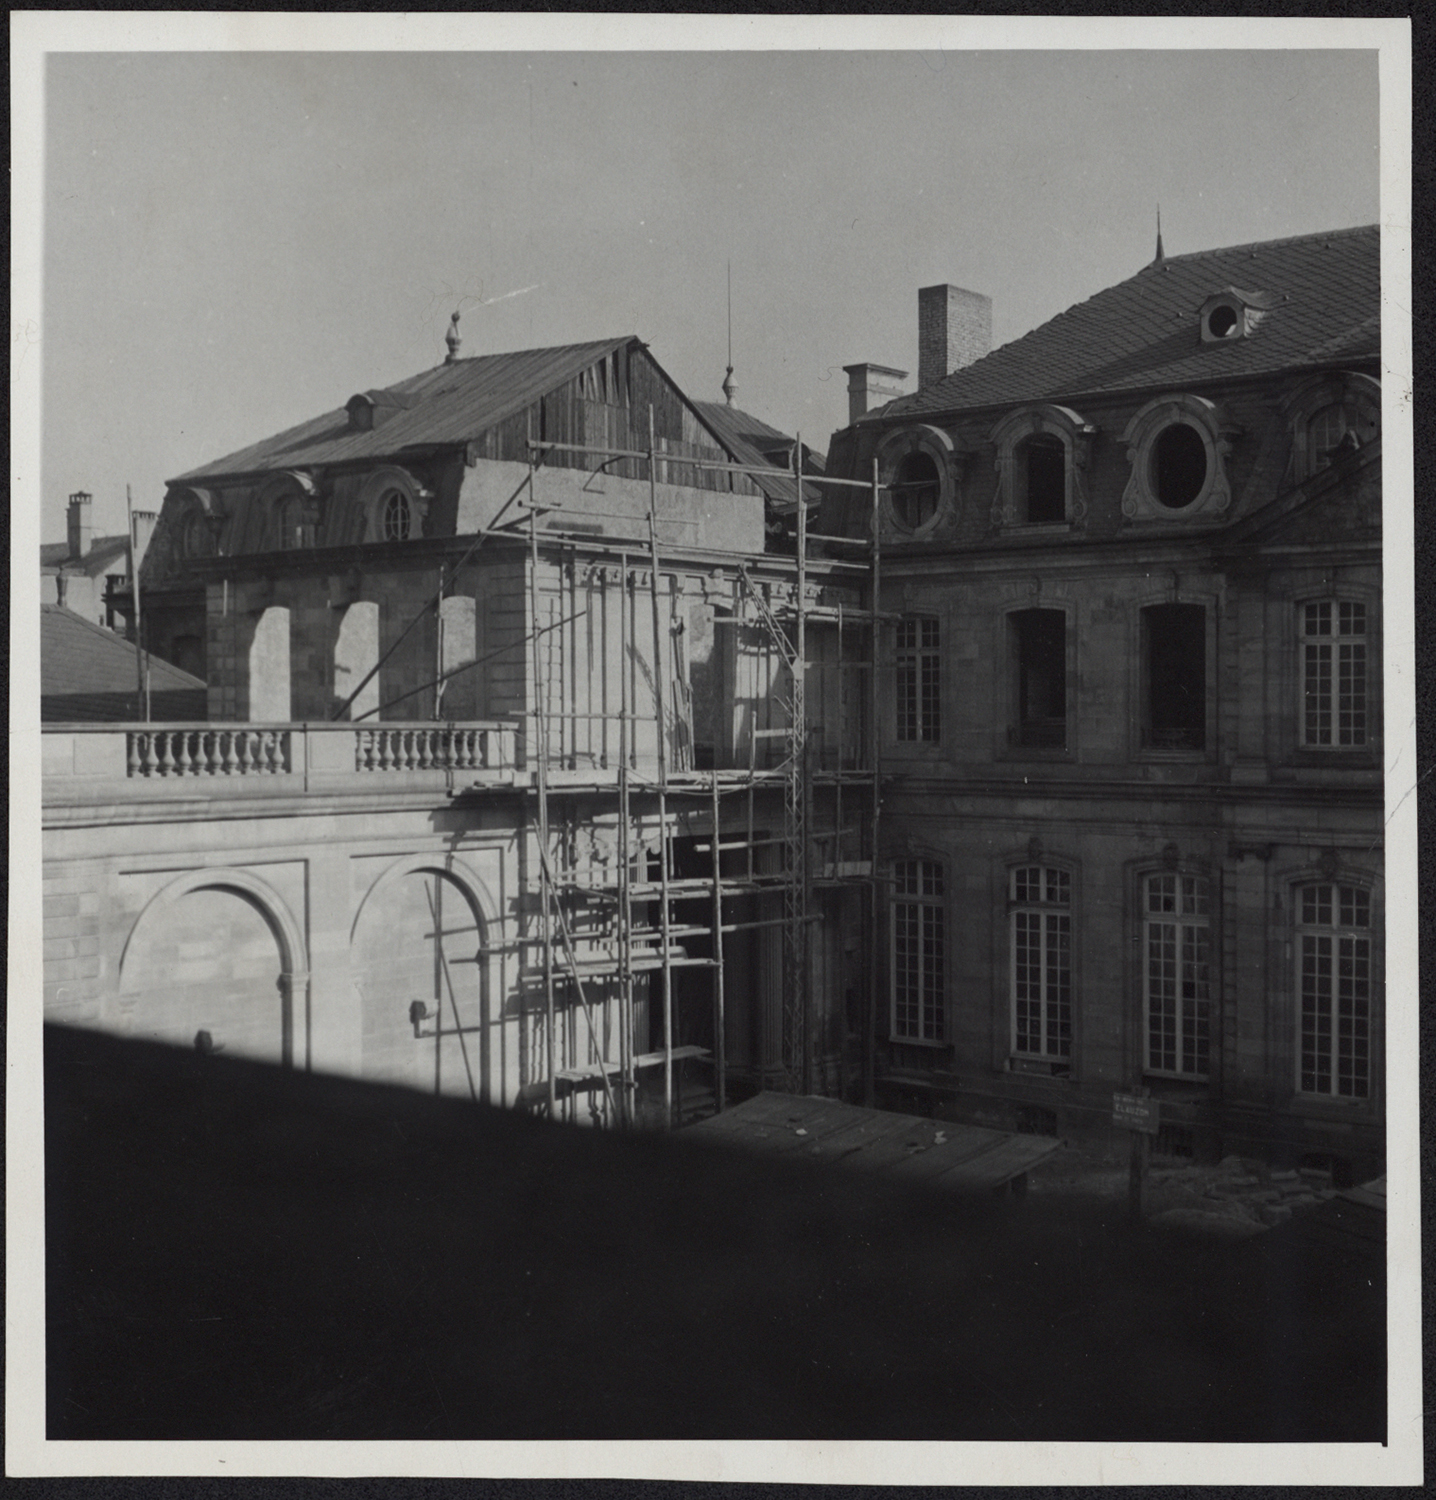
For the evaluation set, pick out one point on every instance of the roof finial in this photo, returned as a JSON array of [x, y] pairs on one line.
[[730, 386], [452, 339], [1161, 254]]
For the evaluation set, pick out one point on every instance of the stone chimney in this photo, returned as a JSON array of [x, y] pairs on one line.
[[870, 386], [78, 525], [144, 530], [954, 328]]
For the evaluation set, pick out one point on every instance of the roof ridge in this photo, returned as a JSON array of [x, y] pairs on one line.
[[1289, 239]]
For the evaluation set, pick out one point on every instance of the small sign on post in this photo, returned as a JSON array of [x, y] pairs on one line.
[[1141, 1114], [1136, 1112]]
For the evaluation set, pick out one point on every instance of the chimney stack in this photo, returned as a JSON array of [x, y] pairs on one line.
[[954, 328], [144, 530], [871, 386], [78, 525]]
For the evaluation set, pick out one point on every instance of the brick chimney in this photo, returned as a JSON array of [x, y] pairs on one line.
[[144, 530], [78, 525], [954, 328], [870, 386]]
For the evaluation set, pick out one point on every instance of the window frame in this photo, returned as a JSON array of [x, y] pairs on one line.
[[936, 445], [1010, 435], [1336, 931], [1140, 501], [1012, 649], [1183, 920], [1048, 912], [924, 661], [929, 909], [1335, 603]]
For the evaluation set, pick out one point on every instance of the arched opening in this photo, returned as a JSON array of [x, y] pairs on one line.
[[356, 654], [1179, 466], [207, 965], [1043, 468], [916, 488], [269, 700], [420, 960]]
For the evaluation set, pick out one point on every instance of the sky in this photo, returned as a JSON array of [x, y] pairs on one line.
[[237, 241]]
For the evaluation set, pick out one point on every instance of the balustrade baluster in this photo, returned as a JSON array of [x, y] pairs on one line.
[[133, 754], [165, 766], [386, 748], [225, 738], [182, 756]]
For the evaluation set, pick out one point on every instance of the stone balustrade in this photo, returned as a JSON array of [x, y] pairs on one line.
[[75, 758]]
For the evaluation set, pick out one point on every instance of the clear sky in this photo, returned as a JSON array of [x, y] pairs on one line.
[[237, 241]]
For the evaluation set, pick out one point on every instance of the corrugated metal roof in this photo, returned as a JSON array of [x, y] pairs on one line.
[[451, 404], [1142, 333], [88, 672], [958, 1158]]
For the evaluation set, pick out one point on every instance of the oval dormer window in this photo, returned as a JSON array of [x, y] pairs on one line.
[[1223, 321], [397, 516], [1178, 466], [916, 490]]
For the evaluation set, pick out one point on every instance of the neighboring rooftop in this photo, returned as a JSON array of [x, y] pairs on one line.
[[88, 674], [1322, 306], [752, 441], [103, 551], [450, 404]]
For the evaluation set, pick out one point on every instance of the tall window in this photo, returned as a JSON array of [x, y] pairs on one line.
[[1039, 639], [919, 673], [1040, 913], [1333, 673], [1334, 982], [919, 944], [397, 516], [916, 489], [1174, 650], [1324, 430], [1177, 916], [1043, 477]]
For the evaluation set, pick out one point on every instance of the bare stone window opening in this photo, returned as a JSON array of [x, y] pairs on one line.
[[398, 517], [1044, 472], [1040, 652], [1179, 466], [915, 490], [1222, 322], [1174, 641]]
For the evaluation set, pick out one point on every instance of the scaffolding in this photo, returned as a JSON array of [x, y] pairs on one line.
[[635, 920]]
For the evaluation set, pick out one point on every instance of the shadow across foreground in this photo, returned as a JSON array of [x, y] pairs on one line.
[[240, 1253]]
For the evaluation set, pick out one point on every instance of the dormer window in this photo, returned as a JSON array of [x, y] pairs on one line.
[[920, 479], [915, 490], [1178, 448], [1041, 467], [398, 517], [1232, 314], [369, 410], [395, 504], [1331, 415]]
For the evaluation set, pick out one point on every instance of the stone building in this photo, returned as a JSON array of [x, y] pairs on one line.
[[502, 758], [1131, 732]]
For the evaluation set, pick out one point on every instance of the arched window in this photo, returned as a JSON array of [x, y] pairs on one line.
[[1176, 981], [915, 490], [1334, 984], [1040, 928], [1041, 461], [396, 516], [918, 951]]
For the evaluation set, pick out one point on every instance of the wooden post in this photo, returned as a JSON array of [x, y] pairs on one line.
[[870, 1020]]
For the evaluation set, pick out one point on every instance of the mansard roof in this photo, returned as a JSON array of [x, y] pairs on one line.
[[448, 405], [1322, 307]]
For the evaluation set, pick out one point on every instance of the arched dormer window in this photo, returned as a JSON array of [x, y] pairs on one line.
[[1328, 414], [199, 523], [1178, 448], [918, 469], [289, 504], [395, 505], [1042, 454]]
